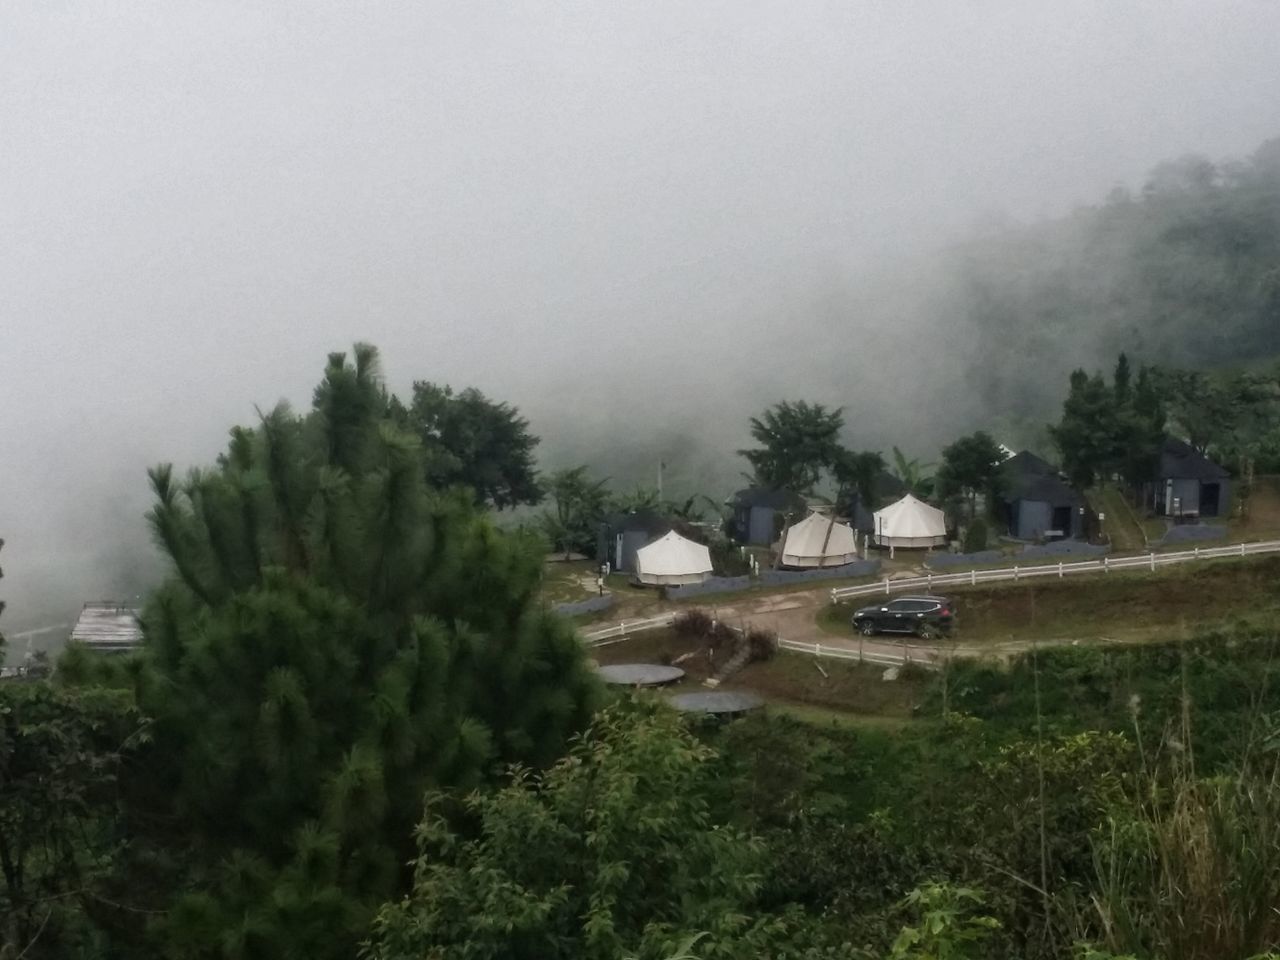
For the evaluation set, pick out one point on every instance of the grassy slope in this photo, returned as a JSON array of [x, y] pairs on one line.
[[1119, 606], [849, 693]]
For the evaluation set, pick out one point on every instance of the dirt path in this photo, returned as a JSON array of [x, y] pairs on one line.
[[793, 616]]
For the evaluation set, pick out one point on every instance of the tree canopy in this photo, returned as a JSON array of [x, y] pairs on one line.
[[578, 504], [471, 441], [1111, 428], [337, 639], [611, 853], [798, 440], [971, 466]]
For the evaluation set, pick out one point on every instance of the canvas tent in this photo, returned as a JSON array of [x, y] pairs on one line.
[[672, 560], [818, 541], [910, 523]]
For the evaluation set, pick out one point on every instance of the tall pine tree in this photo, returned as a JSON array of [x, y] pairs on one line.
[[337, 639]]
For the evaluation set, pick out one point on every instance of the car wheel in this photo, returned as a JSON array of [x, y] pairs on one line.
[[867, 628]]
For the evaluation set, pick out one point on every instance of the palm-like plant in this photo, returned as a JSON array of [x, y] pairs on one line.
[[917, 478]]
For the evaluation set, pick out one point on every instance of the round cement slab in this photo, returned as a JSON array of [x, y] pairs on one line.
[[639, 674], [717, 701]]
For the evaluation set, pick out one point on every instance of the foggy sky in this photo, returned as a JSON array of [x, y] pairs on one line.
[[603, 212]]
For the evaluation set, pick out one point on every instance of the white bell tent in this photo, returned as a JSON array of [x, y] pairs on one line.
[[818, 541], [910, 523], [671, 560]]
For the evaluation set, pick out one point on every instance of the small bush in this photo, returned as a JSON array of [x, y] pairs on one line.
[[975, 538], [762, 643], [721, 635], [692, 625]]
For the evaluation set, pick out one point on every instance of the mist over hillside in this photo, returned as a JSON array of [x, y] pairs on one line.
[[640, 224]]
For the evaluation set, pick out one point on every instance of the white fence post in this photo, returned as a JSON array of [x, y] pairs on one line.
[[622, 628], [1242, 549], [1015, 571], [1153, 561], [973, 578], [1059, 569], [886, 586], [930, 587], [1106, 566]]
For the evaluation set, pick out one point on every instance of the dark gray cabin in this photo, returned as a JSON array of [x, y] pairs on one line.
[[1037, 503], [622, 534], [759, 514], [1188, 484]]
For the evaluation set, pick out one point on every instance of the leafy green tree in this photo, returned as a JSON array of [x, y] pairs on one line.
[[856, 474], [1086, 435], [60, 752], [477, 443], [610, 853], [2, 640], [797, 442], [915, 476], [336, 640], [578, 504], [1204, 408], [971, 466], [1142, 431]]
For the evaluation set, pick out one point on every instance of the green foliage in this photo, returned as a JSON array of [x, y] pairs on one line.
[[945, 927], [1231, 415], [1190, 868], [476, 443], [2, 640], [1117, 428], [578, 504], [975, 536], [797, 442], [856, 475], [612, 852], [971, 466], [338, 639], [915, 476], [1184, 270], [60, 753]]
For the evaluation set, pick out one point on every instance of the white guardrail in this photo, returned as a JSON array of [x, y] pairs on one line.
[[620, 631], [882, 657], [1148, 561], [605, 636]]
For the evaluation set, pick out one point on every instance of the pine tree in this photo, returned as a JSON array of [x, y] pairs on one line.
[[336, 640]]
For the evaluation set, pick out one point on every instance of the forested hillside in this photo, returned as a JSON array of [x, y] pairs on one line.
[[1184, 272]]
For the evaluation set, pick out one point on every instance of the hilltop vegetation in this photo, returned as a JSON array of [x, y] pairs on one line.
[[1186, 273]]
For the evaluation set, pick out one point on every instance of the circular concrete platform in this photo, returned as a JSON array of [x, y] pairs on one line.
[[718, 702], [639, 674]]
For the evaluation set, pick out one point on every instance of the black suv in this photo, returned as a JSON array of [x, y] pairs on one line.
[[925, 616]]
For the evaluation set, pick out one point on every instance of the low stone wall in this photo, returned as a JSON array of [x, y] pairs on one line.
[[711, 585], [1064, 548], [1058, 549], [580, 607], [859, 568], [939, 560]]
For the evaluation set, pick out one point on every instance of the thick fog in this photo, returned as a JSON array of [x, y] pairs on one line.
[[641, 222]]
